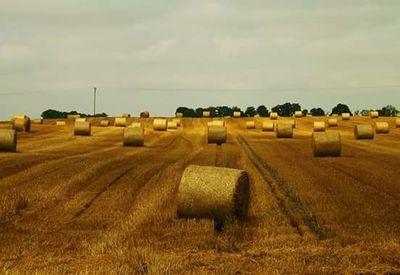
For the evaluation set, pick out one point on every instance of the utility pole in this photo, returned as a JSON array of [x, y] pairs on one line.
[[94, 101]]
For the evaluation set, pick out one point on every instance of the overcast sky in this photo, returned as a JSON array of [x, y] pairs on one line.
[[157, 55]]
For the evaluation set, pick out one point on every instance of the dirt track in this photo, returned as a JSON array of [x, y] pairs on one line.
[[82, 204]]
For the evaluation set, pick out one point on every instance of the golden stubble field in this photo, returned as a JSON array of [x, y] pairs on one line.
[[87, 204]]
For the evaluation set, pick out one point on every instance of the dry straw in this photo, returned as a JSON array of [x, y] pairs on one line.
[[120, 122], [374, 114], [217, 134], [220, 194], [135, 124], [160, 124], [250, 124], [37, 121], [216, 123], [172, 125], [82, 128], [326, 144], [382, 127], [22, 124], [206, 113], [268, 126], [298, 114], [332, 122], [363, 131], [145, 114], [292, 122], [60, 123], [284, 130], [133, 136], [346, 116], [126, 115], [104, 123], [273, 116], [397, 122], [319, 126], [81, 119], [237, 114], [177, 121], [8, 140]]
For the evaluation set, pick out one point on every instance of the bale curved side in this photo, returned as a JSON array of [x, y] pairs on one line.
[[363, 131], [160, 124], [319, 126], [120, 122], [250, 124], [217, 134], [268, 126], [273, 116], [237, 114], [298, 114], [172, 125], [346, 116], [332, 122], [374, 114], [145, 114], [220, 194], [326, 144], [22, 124], [133, 136], [382, 127], [284, 130], [397, 122], [8, 140], [82, 128]]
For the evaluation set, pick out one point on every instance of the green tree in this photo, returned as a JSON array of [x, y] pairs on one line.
[[262, 111], [286, 109], [389, 110], [250, 111], [340, 109], [305, 112], [317, 112], [365, 112]]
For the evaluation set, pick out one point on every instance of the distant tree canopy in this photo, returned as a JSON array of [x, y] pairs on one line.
[[340, 109], [50, 113], [389, 110], [287, 109], [317, 112], [262, 111]]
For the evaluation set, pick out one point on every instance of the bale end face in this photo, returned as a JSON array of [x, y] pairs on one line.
[[284, 130], [220, 194], [217, 134], [22, 124], [326, 144], [82, 128], [8, 140], [363, 131], [133, 136]]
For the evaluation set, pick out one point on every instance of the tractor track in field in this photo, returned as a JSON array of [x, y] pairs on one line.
[[289, 204]]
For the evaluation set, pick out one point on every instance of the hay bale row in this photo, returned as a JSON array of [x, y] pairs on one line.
[[250, 124], [220, 194], [8, 140], [120, 122], [268, 126], [319, 126], [22, 124], [133, 136], [160, 124], [273, 116], [82, 128], [382, 127], [217, 134], [326, 144], [284, 130], [363, 131]]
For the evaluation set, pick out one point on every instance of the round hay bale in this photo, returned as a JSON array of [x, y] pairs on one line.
[[397, 122], [237, 114], [298, 114], [172, 125], [250, 124], [256, 115], [268, 126], [319, 126], [217, 123], [382, 127], [104, 123], [120, 122], [332, 122], [326, 144], [363, 131], [8, 140], [217, 134], [81, 119], [82, 128], [206, 113], [18, 115], [273, 116], [22, 124], [73, 117], [135, 124], [177, 121], [284, 130], [60, 123], [133, 136], [145, 114], [126, 115], [160, 124], [37, 121], [346, 116], [179, 114], [220, 194], [374, 114]]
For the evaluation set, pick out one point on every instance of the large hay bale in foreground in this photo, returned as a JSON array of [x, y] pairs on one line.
[[133, 136], [8, 140], [22, 124], [284, 130], [18, 115], [104, 123], [326, 144], [61, 123], [120, 122], [273, 116], [332, 122], [382, 127], [237, 114], [298, 114], [160, 124], [363, 131], [126, 115], [145, 114], [397, 122], [319, 126], [374, 114], [220, 194], [37, 121], [217, 134], [346, 116], [172, 125], [82, 128], [268, 126], [250, 124]]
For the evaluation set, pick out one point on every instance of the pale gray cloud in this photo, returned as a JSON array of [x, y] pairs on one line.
[[63, 48]]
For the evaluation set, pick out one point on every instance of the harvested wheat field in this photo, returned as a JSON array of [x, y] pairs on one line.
[[87, 204]]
